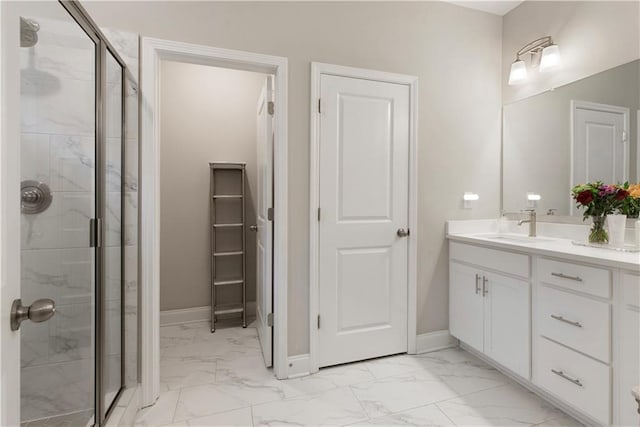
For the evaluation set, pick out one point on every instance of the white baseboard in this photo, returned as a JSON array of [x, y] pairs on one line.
[[194, 314], [433, 341], [299, 365]]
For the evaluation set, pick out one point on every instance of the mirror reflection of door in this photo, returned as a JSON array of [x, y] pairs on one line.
[[600, 146]]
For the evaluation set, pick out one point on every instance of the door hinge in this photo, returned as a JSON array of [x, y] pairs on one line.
[[95, 232], [270, 214], [318, 321], [271, 108], [270, 319], [318, 214], [624, 136], [319, 106]]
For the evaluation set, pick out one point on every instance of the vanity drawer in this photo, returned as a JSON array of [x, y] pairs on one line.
[[506, 262], [590, 280], [631, 289], [577, 322], [578, 380]]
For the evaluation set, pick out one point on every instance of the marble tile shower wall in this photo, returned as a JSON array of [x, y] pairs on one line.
[[127, 46], [57, 147]]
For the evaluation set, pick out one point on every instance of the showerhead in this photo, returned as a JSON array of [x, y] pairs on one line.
[[28, 32]]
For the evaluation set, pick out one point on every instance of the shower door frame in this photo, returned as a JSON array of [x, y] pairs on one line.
[[10, 285], [80, 15]]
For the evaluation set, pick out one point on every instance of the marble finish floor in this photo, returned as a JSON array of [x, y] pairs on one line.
[[77, 419], [220, 380]]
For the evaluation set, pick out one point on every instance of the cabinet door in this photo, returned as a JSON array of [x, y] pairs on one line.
[[630, 366], [466, 305], [507, 337]]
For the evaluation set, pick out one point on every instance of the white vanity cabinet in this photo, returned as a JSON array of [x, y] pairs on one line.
[[572, 349], [561, 319], [489, 304], [629, 350]]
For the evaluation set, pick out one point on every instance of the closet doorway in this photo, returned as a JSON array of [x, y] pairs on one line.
[[214, 118], [216, 164]]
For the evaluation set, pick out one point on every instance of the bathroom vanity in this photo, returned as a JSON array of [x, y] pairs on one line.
[[561, 319]]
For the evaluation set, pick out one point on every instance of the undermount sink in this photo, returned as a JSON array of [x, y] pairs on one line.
[[516, 238]]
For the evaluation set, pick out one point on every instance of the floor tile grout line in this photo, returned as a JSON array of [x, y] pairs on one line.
[[364, 411], [435, 402], [444, 413], [175, 409], [471, 392]]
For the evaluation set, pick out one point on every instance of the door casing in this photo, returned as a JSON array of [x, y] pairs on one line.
[[318, 69], [153, 51]]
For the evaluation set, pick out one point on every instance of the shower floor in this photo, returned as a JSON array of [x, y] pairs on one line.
[[77, 419]]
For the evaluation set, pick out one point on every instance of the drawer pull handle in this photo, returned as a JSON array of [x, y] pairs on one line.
[[568, 378], [477, 284], [485, 288], [569, 322], [564, 276]]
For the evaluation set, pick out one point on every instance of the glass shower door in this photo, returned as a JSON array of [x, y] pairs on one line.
[[113, 218], [58, 172]]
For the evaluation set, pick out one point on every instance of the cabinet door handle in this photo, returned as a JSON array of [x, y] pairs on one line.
[[564, 276], [567, 377], [569, 322], [485, 288], [477, 284]]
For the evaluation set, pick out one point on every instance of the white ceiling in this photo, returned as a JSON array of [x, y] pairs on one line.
[[496, 7]]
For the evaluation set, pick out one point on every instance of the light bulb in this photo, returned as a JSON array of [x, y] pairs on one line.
[[518, 72], [550, 59]]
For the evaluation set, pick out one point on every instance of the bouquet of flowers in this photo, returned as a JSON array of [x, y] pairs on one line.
[[599, 200]]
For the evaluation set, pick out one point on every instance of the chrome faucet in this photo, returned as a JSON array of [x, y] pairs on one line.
[[531, 221]]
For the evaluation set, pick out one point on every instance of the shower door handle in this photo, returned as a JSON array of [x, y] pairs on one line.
[[40, 311]]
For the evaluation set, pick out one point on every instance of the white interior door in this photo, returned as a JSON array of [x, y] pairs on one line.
[[600, 143], [364, 197], [264, 276]]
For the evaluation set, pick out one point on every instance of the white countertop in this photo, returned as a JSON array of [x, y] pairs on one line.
[[483, 232]]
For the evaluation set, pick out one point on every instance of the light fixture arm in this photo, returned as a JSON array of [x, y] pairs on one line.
[[535, 47]]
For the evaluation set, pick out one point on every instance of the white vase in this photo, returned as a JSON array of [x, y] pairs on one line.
[[617, 224]]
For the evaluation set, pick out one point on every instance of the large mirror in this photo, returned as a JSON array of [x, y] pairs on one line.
[[583, 131]]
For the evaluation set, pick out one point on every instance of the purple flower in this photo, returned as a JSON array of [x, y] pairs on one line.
[[602, 193]]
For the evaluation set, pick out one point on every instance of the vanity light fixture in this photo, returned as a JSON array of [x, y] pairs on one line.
[[469, 197], [543, 54]]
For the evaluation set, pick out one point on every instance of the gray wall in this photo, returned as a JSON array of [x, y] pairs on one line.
[[207, 114], [593, 36], [455, 52]]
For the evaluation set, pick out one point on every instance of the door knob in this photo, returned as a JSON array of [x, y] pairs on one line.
[[40, 311], [253, 227], [402, 232]]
